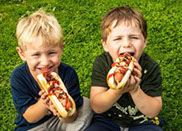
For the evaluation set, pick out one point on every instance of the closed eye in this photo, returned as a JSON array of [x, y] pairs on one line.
[[117, 39], [53, 52], [37, 54], [134, 37]]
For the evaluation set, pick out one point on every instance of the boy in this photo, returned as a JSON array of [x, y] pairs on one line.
[[132, 107], [41, 46]]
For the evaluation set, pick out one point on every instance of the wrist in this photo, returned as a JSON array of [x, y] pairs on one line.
[[117, 92], [135, 90], [44, 108]]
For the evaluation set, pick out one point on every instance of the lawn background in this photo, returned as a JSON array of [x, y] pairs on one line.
[[80, 21]]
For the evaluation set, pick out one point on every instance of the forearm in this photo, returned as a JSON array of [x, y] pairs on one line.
[[35, 112], [149, 106], [103, 101]]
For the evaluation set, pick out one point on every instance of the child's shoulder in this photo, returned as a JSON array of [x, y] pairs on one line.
[[67, 74], [147, 61], [104, 58], [104, 55], [21, 69], [21, 74], [148, 58], [64, 66]]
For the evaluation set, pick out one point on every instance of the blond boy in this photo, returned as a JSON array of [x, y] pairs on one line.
[[40, 46]]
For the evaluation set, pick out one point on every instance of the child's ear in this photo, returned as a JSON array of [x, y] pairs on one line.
[[104, 44], [145, 43], [62, 45], [62, 48], [21, 53]]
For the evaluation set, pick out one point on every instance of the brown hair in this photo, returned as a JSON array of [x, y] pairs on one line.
[[123, 14]]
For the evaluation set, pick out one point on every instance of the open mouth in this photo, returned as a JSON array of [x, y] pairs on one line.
[[46, 69], [50, 68], [131, 53]]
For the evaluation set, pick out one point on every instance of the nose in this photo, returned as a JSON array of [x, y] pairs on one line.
[[44, 61], [126, 43]]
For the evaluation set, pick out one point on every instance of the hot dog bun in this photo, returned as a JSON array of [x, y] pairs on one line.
[[57, 104], [111, 74]]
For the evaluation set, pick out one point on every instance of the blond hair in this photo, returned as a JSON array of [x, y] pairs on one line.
[[38, 25], [122, 14]]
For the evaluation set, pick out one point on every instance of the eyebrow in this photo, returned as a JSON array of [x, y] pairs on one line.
[[135, 35], [118, 36], [34, 52]]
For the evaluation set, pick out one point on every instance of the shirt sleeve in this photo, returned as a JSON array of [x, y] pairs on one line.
[[99, 73]]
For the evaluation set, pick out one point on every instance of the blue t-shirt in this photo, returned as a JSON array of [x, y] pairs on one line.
[[25, 92]]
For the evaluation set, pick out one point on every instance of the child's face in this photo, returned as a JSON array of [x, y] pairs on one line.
[[40, 57], [125, 38]]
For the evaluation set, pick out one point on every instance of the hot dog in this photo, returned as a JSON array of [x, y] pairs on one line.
[[57, 92], [120, 72]]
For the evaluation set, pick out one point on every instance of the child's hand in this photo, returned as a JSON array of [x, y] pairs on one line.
[[137, 73], [134, 80], [44, 97], [48, 103], [53, 109]]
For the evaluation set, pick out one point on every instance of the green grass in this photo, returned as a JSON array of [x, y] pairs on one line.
[[80, 21]]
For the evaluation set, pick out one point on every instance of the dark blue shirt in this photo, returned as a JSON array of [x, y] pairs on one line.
[[25, 92]]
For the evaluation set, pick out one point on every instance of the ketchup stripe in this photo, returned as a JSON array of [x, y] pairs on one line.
[[126, 58], [52, 88]]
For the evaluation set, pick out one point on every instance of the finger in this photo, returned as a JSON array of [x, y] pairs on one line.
[[50, 102], [127, 83], [55, 112], [58, 114], [138, 80], [132, 81], [51, 107], [41, 92], [47, 100], [137, 65], [44, 97], [137, 73]]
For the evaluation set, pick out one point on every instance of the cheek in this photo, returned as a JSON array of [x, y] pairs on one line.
[[57, 60], [32, 64], [139, 48], [114, 50], [114, 47]]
